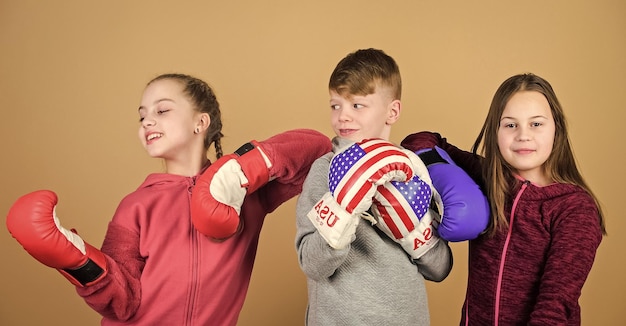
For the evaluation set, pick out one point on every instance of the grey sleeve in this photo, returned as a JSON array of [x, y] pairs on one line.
[[436, 264], [317, 259]]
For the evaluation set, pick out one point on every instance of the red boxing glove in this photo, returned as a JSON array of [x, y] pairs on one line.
[[34, 224], [219, 192]]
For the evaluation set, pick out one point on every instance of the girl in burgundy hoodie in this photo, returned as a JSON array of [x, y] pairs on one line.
[[530, 265], [161, 264]]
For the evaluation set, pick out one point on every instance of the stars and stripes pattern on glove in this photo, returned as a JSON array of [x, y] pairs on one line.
[[354, 175], [404, 212], [384, 162], [409, 200]]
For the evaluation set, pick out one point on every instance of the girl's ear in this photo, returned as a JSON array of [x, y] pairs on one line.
[[394, 112], [204, 121]]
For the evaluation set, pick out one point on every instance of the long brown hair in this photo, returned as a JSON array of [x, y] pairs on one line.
[[204, 100], [497, 173]]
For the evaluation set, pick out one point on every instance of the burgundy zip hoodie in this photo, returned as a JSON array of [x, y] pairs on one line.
[[531, 273]]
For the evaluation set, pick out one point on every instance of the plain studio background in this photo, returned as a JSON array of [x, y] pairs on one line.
[[72, 74]]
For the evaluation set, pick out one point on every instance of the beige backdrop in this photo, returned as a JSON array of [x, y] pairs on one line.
[[72, 73]]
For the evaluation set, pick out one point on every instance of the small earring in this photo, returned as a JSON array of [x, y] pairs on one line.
[[197, 131]]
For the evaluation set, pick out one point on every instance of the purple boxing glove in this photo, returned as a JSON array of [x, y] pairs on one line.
[[465, 208]]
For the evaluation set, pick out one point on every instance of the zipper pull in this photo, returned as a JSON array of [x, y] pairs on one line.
[[193, 184]]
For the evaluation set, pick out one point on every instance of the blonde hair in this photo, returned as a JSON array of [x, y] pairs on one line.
[[361, 71]]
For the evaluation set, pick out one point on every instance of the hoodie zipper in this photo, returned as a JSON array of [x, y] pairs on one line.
[[505, 251], [194, 268]]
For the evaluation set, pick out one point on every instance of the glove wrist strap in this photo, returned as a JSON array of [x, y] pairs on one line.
[[421, 239], [85, 274], [90, 272], [335, 224], [431, 157], [250, 158]]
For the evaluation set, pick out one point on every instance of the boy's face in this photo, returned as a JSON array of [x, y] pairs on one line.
[[358, 117]]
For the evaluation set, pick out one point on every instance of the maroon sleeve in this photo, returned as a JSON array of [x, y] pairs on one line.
[[118, 294], [469, 162], [291, 153], [576, 235]]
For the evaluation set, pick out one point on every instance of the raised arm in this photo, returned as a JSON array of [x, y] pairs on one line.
[[282, 160]]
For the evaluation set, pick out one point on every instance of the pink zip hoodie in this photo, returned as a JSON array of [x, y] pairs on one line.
[[162, 271]]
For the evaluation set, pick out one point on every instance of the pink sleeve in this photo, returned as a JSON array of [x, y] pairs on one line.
[[117, 296], [292, 153]]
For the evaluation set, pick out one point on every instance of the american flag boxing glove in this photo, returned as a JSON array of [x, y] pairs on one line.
[[353, 177], [404, 211]]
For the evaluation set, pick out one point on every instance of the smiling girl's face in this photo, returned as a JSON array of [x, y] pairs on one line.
[[526, 135], [167, 120]]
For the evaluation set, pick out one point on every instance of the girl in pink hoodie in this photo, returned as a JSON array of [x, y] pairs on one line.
[[161, 263]]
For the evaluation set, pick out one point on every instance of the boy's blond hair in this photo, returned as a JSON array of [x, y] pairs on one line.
[[360, 72]]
